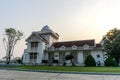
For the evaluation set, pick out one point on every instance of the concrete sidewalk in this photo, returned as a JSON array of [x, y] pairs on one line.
[[25, 75]]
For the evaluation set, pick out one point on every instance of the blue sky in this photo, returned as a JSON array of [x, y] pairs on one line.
[[71, 19]]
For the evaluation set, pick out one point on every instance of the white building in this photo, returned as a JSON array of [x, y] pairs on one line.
[[43, 48]]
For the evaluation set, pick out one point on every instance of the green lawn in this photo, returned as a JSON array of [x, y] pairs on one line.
[[71, 69]]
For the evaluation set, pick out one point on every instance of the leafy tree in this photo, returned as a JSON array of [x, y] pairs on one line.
[[90, 61], [110, 62], [10, 40], [112, 44]]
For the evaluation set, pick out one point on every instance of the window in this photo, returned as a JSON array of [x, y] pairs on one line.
[[56, 55], [98, 56], [74, 47], [33, 55], [86, 46], [34, 44], [62, 47]]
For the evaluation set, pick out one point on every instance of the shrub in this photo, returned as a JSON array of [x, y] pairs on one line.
[[110, 62], [90, 61]]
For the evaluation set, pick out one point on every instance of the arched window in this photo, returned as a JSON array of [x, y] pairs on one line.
[[62, 47], [86, 46]]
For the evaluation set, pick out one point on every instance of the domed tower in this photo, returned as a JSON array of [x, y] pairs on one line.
[[46, 28], [49, 35]]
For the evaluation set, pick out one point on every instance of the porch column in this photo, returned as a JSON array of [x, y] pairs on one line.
[[61, 57], [80, 58]]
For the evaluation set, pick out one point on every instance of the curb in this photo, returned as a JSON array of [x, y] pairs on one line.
[[63, 72]]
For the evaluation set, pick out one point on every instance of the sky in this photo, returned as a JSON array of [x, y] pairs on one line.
[[71, 19]]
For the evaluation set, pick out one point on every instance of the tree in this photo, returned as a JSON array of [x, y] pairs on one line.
[[110, 62], [112, 44], [10, 40], [90, 61]]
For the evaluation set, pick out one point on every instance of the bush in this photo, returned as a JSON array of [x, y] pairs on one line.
[[90, 61], [110, 62]]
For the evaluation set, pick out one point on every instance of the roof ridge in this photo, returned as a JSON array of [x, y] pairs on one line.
[[90, 42], [75, 41]]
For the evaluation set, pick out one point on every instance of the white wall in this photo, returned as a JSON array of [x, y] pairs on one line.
[[25, 57], [101, 58], [52, 40], [80, 58], [41, 48], [39, 51]]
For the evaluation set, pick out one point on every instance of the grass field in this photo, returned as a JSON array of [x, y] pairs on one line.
[[71, 69]]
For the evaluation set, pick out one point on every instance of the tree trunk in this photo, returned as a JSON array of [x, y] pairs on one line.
[[8, 58]]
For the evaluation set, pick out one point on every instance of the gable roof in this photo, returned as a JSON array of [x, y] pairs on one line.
[[37, 35], [79, 43], [48, 32]]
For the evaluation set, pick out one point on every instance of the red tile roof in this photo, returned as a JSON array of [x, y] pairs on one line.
[[80, 43]]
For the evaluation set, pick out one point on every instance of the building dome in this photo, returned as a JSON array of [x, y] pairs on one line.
[[45, 28]]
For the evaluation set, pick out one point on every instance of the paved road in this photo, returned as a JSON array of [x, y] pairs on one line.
[[24, 75]]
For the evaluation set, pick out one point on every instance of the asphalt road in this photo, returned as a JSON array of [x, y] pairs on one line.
[[25, 75]]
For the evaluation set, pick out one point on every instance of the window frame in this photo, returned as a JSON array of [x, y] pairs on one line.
[[34, 44], [33, 56]]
